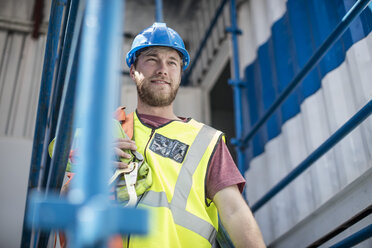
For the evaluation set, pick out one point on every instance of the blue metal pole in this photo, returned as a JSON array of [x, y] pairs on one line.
[[237, 87], [64, 133], [43, 106], [355, 238], [97, 79], [159, 11], [55, 99], [352, 123], [313, 61], [99, 66], [56, 96], [66, 82], [67, 77], [186, 76], [88, 214], [42, 238]]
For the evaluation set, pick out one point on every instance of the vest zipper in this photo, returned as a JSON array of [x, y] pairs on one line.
[[144, 154], [144, 151]]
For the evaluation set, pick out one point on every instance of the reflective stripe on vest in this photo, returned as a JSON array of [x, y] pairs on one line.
[[182, 189], [181, 216]]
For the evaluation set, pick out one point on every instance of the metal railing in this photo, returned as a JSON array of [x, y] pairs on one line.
[[313, 61], [349, 126], [159, 11], [90, 57], [352, 123], [242, 142], [235, 81], [43, 106], [355, 238], [237, 85], [203, 43], [358, 236]]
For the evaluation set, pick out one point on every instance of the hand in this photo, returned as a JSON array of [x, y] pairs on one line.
[[121, 149]]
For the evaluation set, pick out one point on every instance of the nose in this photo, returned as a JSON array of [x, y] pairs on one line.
[[162, 68]]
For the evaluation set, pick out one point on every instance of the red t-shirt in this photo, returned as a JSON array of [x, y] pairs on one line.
[[222, 170]]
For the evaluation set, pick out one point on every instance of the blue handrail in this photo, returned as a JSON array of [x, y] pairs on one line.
[[237, 87], [38, 147], [65, 119], [187, 74], [87, 214], [53, 173], [355, 238], [313, 61], [352, 123], [56, 95], [159, 11]]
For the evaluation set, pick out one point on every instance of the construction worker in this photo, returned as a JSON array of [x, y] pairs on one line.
[[195, 179]]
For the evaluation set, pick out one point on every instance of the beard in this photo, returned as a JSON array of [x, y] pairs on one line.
[[156, 97]]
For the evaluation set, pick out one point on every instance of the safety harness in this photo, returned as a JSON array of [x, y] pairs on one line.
[[136, 178], [129, 183]]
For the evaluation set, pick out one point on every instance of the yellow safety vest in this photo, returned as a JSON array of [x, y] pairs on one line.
[[178, 154]]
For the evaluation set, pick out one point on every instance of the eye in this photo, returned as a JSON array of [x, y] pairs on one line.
[[173, 63], [151, 59]]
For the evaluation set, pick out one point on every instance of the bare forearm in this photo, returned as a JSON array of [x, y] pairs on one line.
[[238, 219], [243, 229]]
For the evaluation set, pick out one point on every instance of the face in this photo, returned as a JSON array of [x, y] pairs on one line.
[[157, 75]]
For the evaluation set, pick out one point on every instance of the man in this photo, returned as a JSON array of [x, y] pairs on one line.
[[194, 176]]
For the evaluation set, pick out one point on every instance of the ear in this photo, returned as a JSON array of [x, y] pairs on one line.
[[131, 71]]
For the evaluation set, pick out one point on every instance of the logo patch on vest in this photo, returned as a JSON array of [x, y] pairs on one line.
[[169, 148]]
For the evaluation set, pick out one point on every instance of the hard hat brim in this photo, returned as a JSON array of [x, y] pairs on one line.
[[131, 56]]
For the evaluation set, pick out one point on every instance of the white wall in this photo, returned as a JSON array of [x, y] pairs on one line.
[[15, 156], [21, 60]]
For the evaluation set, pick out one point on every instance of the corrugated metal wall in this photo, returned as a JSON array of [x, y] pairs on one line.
[[278, 38], [21, 59], [20, 70]]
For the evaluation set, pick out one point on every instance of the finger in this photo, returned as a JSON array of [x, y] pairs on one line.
[[64, 189], [124, 140], [121, 165], [126, 145], [121, 153]]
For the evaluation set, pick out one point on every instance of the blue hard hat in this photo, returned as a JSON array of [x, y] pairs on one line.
[[158, 35]]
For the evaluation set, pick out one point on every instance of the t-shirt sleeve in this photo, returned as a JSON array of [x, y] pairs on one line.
[[222, 172]]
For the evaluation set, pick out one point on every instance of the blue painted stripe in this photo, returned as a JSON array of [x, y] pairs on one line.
[[303, 45], [269, 88], [294, 38], [284, 60], [255, 105], [323, 21]]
